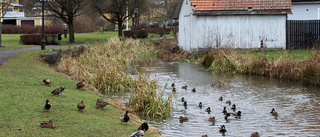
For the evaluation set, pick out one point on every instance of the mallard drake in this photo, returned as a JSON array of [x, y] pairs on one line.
[[255, 134], [46, 81], [47, 124], [212, 119], [222, 128], [221, 98], [185, 87], [208, 110], [228, 102], [224, 110], [274, 113], [173, 85], [182, 99], [183, 119], [81, 106], [47, 106], [194, 90], [185, 104], [125, 118], [238, 114], [57, 91], [101, 104], [81, 84], [233, 107], [140, 131], [226, 115], [174, 90], [200, 105]]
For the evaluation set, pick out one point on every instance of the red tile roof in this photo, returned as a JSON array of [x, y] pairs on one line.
[[240, 5]]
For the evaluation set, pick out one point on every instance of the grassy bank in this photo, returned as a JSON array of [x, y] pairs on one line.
[[23, 94], [302, 66]]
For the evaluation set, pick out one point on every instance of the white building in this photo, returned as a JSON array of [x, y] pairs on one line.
[[305, 10]]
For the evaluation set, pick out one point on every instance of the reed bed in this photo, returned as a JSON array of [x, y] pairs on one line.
[[306, 71], [104, 67]]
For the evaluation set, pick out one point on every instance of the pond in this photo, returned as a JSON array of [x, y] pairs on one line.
[[298, 106]]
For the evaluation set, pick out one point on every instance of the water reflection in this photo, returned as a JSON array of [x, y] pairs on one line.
[[254, 96]]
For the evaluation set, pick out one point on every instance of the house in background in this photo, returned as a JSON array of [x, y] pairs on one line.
[[241, 24], [305, 10], [14, 15]]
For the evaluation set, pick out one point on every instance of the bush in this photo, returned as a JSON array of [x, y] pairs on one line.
[[35, 39], [140, 33], [28, 29], [160, 31]]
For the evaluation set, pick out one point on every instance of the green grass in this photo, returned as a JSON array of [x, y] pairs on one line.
[[12, 41], [275, 54], [23, 93]]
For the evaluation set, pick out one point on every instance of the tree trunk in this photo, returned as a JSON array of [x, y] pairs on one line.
[[119, 28], [71, 32]]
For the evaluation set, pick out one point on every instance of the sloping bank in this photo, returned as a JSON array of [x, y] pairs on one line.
[[23, 93]]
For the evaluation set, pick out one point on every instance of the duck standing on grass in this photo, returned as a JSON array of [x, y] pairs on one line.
[[46, 81], [274, 113], [125, 118], [57, 91], [101, 104], [81, 84], [47, 106], [81, 106], [47, 124], [140, 131]]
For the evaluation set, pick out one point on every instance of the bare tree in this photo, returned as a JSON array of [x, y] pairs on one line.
[[115, 11], [67, 11], [4, 8]]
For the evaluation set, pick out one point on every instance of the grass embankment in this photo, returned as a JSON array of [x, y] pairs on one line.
[[23, 93], [104, 66], [290, 65]]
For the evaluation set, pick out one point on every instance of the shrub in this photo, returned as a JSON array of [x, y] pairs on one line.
[[35, 39], [140, 33], [28, 29], [84, 24], [160, 31]]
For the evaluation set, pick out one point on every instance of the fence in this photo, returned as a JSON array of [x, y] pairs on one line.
[[302, 34]]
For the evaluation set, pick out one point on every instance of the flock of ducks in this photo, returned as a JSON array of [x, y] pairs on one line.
[[234, 114], [81, 106]]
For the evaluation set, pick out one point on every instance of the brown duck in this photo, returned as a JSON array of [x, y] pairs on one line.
[[46, 81], [47, 124], [101, 104], [57, 91], [81, 84], [185, 87], [81, 106], [183, 119]]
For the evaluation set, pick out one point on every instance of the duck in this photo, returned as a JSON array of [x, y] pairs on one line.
[[236, 115], [208, 110], [47, 124], [274, 113], [140, 131], [212, 119], [204, 136], [221, 98], [125, 118], [185, 104], [47, 81], [81, 84], [183, 119], [224, 110], [233, 107], [194, 90], [226, 115], [47, 106], [228, 102], [81, 106], [255, 134], [222, 129], [185, 87], [174, 90], [173, 85], [101, 104], [200, 105], [182, 99], [57, 91]]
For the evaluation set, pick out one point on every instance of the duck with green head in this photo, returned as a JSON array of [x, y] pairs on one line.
[[194, 90], [173, 85], [236, 115], [140, 131], [208, 110], [224, 110], [174, 90], [182, 99], [226, 115], [233, 107], [46, 106], [125, 118], [221, 98], [222, 128], [185, 104], [274, 113], [200, 105]]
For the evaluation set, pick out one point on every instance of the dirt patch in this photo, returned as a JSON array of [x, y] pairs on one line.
[[169, 50]]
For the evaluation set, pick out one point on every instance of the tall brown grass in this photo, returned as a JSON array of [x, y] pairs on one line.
[[104, 67], [306, 71]]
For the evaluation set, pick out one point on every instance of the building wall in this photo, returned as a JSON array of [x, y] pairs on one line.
[[305, 11], [232, 31]]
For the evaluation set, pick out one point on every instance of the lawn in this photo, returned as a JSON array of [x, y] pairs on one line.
[[23, 93], [276, 54]]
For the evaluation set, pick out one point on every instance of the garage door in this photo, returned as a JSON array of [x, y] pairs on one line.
[[27, 22]]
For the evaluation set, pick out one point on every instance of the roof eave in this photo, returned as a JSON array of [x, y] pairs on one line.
[[273, 12]]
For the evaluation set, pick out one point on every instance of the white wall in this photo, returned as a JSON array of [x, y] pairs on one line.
[[234, 31], [305, 11]]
